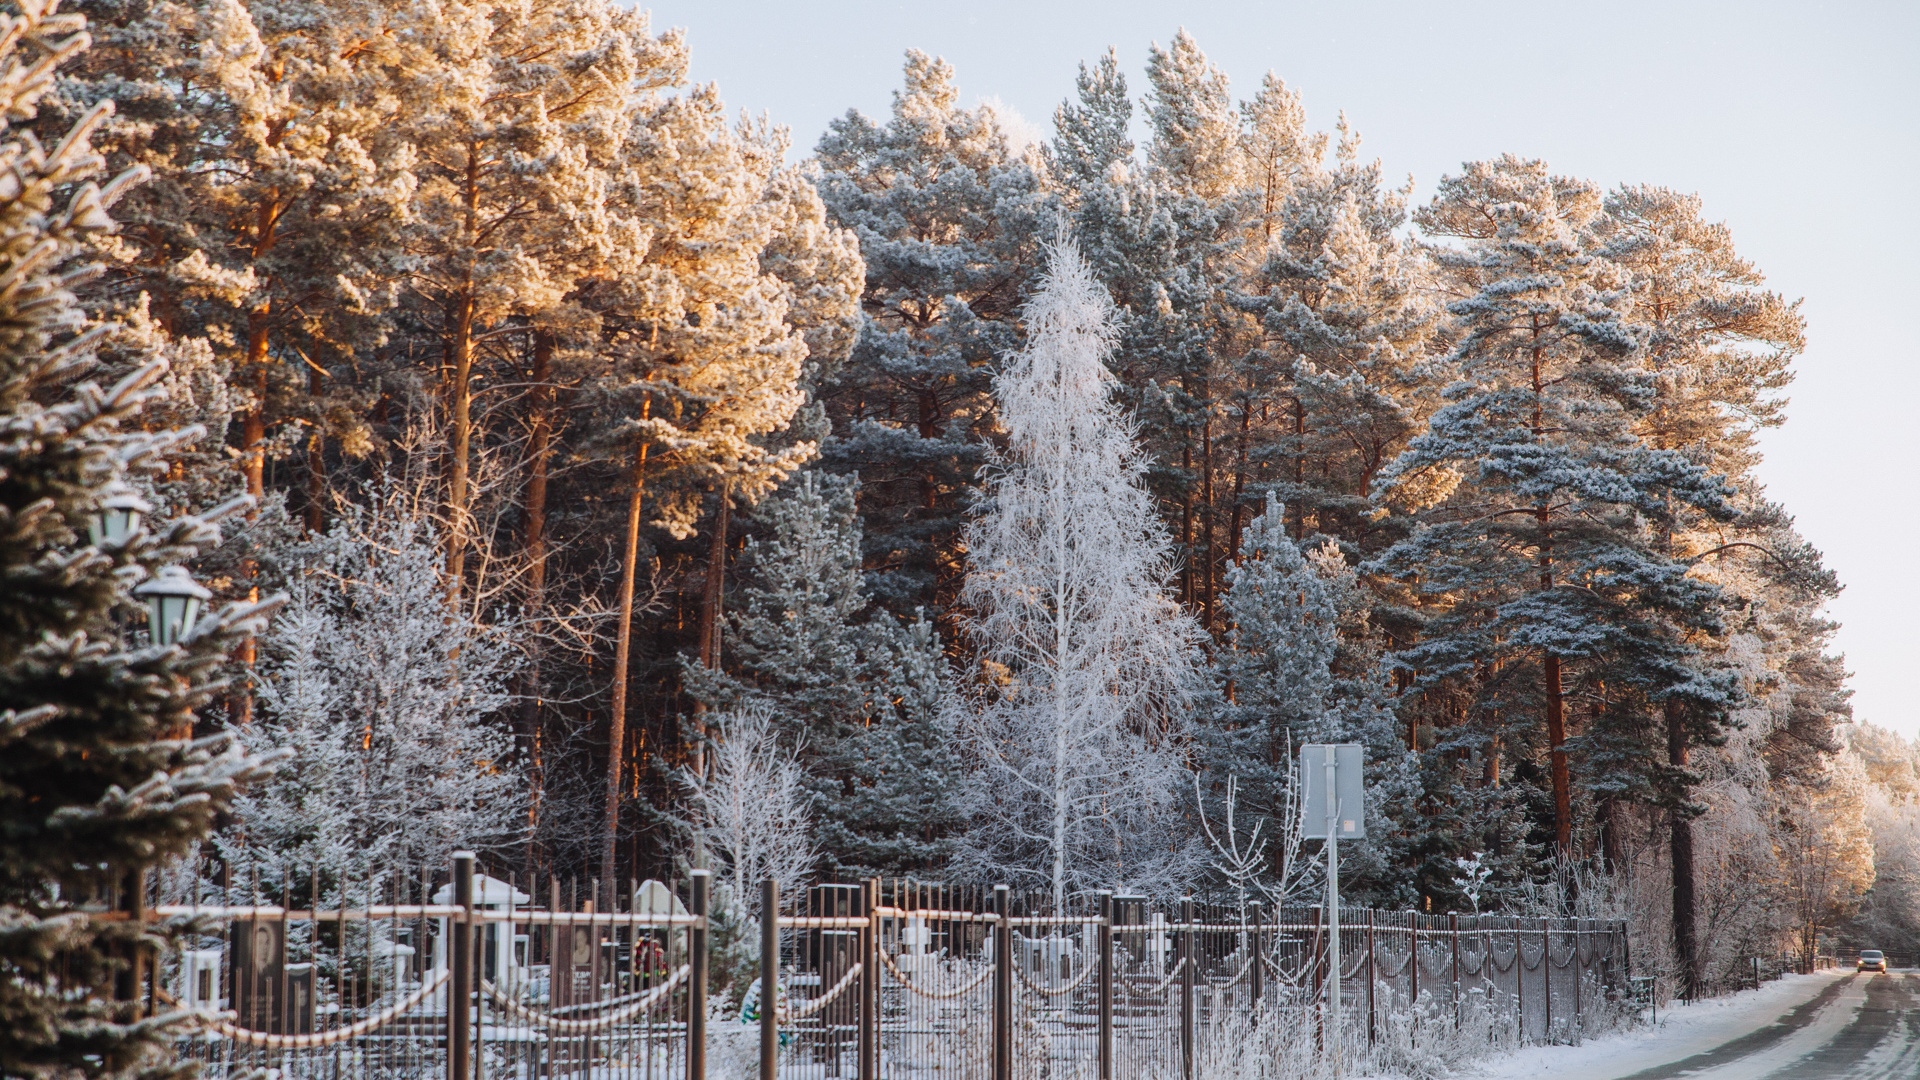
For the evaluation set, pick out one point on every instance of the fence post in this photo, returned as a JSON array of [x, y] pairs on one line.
[[869, 979], [769, 979], [1519, 976], [698, 882], [1319, 968], [1371, 1036], [1002, 986], [1546, 974], [1188, 961], [1104, 941], [1453, 930], [1254, 955], [1577, 974], [1413, 964], [460, 955]]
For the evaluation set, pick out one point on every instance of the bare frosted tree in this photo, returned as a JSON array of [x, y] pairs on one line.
[[1262, 861], [751, 809], [1080, 720]]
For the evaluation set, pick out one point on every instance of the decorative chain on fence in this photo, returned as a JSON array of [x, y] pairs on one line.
[[476, 978], [473, 980]]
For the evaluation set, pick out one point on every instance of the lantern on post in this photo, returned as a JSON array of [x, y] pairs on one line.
[[173, 603], [117, 519]]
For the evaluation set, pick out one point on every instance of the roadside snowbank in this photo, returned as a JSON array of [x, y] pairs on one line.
[[1687, 1030]]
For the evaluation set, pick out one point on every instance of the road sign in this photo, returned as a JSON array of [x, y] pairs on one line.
[[1348, 813]]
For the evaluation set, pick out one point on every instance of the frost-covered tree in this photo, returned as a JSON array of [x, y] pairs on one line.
[[1163, 235], [1717, 348], [1346, 372], [750, 808], [1079, 713], [854, 691], [100, 778], [1542, 564], [1890, 916], [704, 341], [390, 698], [270, 229], [947, 215], [520, 157], [1825, 852], [1296, 667], [1275, 671]]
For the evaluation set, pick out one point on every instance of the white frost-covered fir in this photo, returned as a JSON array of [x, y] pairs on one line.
[[1087, 662], [750, 810], [390, 699]]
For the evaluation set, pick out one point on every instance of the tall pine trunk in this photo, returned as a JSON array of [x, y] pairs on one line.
[[1685, 935], [1551, 674], [316, 516], [1236, 512], [1208, 568], [1187, 583], [460, 420], [622, 649], [539, 436], [712, 595], [253, 426], [460, 314], [253, 435], [253, 468]]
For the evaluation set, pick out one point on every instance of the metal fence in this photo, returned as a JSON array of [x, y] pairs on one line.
[[475, 976], [895, 979], [569, 979]]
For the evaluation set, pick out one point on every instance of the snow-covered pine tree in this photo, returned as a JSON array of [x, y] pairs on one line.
[[947, 215], [1298, 665], [99, 777], [1179, 244], [278, 191], [855, 692], [1169, 236], [378, 682], [1344, 376], [1544, 553], [1718, 348], [1273, 676], [704, 348], [525, 180], [1276, 667], [1080, 713]]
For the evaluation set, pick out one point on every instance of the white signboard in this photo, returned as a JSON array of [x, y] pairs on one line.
[[1348, 811]]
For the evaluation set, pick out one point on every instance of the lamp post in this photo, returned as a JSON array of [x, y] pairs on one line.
[[117, 519], [173, 603]]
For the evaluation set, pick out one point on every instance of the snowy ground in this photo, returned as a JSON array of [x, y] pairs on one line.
[[1801, 1027]]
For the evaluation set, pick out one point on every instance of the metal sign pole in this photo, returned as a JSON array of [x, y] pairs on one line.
[[1333, 798], [1333, 913]]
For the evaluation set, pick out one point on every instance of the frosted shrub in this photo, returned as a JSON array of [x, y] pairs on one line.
[[1272, 1044], [1433, 1038]]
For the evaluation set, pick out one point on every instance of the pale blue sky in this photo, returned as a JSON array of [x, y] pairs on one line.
[[1799, 124]]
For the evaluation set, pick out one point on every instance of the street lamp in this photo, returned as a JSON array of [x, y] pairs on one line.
[[173, 603], [117, 519]]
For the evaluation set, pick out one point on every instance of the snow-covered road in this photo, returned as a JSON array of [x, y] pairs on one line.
[[1802, 1027]]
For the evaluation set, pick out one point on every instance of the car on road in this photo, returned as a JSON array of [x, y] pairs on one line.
[[1872, 960]]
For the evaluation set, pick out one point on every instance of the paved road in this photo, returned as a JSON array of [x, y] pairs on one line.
[[1866, 1027]]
